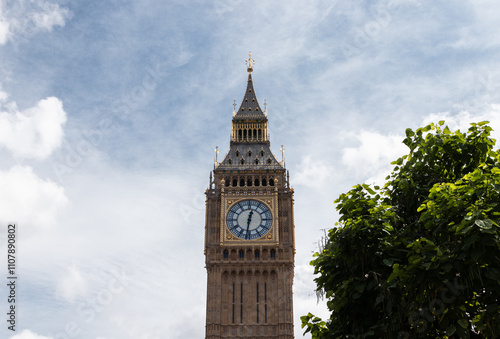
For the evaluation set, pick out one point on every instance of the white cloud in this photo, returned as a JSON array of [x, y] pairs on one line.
[[52, 15], [25, 19], [4, 31], [27, 334], [72, 285], [33, 133], [4, 26], [463, 120], [374, 154], [3, 95], [29, 200], [305, 297], [313, 172], [376, 151]]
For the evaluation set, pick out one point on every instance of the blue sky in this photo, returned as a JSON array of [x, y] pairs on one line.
[[110, 113]]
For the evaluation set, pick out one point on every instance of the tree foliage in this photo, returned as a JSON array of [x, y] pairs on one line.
[[420, 256]]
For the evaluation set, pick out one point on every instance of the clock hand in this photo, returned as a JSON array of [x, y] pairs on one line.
[[248, 223]]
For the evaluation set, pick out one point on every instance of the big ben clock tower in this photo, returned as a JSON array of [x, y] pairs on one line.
[[249, 233]]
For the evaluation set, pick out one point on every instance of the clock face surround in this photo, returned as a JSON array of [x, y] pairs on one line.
[[249, 219]]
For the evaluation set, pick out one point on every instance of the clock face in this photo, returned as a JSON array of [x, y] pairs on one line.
[[249, 219]]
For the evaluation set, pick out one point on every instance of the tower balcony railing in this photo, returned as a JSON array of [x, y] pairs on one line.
[[250, 138], [251, 166], [250, 188]]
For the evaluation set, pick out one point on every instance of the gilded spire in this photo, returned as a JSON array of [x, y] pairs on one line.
[[249, 108], [250, 144], [250, 63]]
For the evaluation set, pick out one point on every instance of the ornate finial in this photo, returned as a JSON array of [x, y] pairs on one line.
[[234, 109], [250, 63], [216, 153], [282, 149], [265, 106]]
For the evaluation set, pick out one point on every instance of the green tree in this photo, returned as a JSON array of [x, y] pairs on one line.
[[420, 256]]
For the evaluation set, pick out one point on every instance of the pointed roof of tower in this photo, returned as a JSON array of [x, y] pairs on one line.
[[250, 156], [250, 108], [253, 153]]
